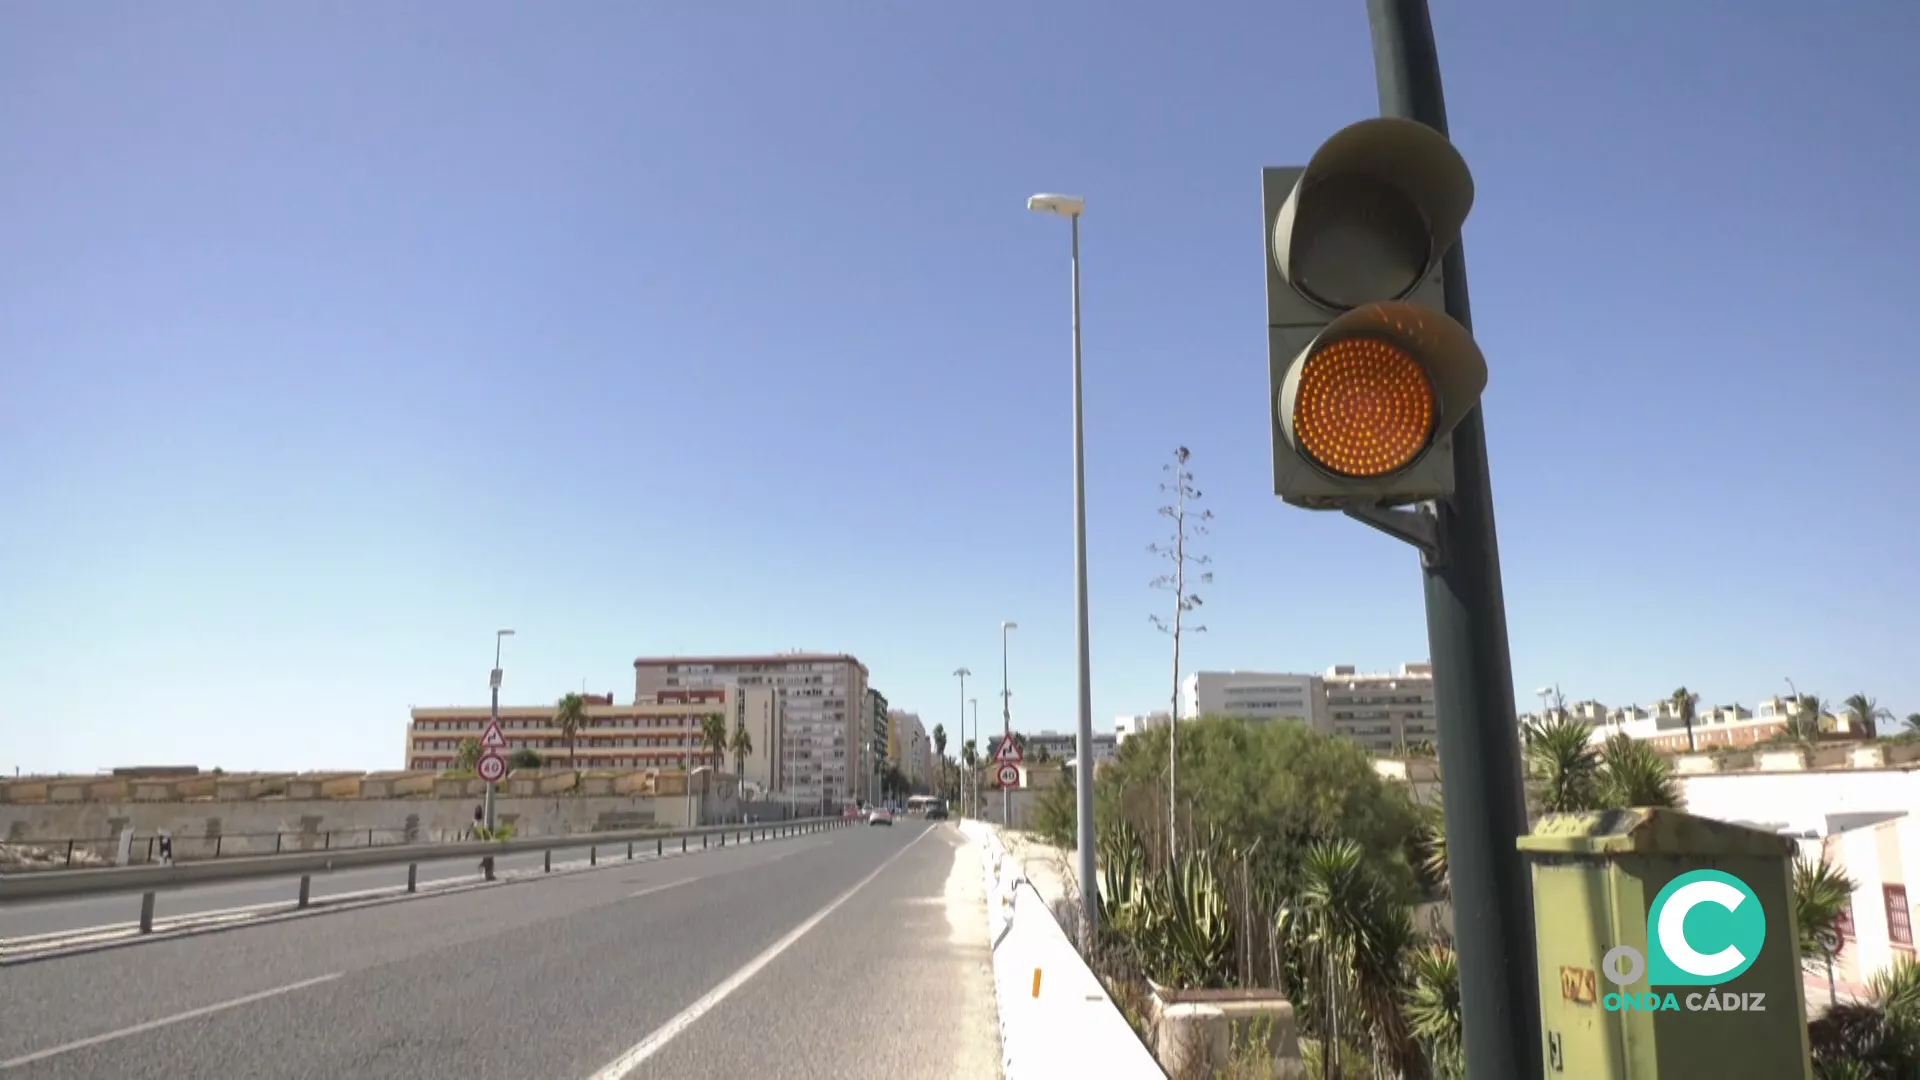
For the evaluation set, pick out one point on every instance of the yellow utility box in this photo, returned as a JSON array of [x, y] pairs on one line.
[[1666, 948]]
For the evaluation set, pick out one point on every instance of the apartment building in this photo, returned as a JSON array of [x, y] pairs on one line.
[[1255, 695], [823, 698], [1125, 727], [1384, 712], [908, 746], [659, 734], [1059, 746], [1715, 727], [874, 723]]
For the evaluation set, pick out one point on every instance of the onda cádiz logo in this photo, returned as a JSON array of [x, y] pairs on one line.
[[1705, 928]]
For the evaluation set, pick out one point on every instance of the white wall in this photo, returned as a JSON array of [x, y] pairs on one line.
[[1803, 801]]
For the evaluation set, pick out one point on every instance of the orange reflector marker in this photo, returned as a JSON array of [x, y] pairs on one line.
[[1036, 982], [1364, 408]]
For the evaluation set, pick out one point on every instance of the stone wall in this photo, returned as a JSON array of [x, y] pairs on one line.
[[202, 829]]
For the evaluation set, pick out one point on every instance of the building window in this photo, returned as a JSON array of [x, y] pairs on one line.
[[1899, 919]]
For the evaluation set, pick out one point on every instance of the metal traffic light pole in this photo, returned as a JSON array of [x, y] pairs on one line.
[[1484, 792]]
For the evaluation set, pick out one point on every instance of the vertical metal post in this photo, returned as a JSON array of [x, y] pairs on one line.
[[1083, 736], [413, 877], [306, 889], [1006, 712], [146, 912], [1473, 676]]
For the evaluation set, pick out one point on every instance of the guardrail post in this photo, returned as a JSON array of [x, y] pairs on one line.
[[546, 862], [146, 912], [306, 889], [70, 854], [659, 847], [277, 837], [683, 845], [593, 855], [413, 877], [703, 841], [486, 867], [629, 851], [369, 837]]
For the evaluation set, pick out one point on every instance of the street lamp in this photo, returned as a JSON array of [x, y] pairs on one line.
[[961, 674], [973, 769], [1071, 207]]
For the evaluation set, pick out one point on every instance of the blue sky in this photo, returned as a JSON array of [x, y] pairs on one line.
[[333, 337]]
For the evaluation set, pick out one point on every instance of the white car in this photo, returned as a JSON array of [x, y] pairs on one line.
[[880, 816]]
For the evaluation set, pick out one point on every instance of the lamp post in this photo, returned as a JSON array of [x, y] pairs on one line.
[[962, 674], [973, 770], [1071, 207]]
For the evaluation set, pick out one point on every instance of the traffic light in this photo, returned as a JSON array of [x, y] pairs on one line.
[[1369, 376]]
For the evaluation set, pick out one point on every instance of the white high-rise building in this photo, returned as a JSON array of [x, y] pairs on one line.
[[1385, 713], [1255, 695], [823, 705], [1125, 727]]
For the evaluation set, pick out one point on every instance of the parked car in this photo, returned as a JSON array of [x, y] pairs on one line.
[[880, 816]]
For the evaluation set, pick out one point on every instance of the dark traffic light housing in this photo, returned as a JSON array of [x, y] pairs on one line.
[[1368, 374]]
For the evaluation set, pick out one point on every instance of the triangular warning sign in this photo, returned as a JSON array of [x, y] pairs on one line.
[[492, 739], [1009, 752]]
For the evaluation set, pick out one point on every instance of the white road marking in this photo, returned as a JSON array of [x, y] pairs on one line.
[[190, 1014], [651, 889], [624, 1065]]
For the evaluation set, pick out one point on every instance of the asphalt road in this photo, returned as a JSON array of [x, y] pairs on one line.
[[855, 953], [62, 916]]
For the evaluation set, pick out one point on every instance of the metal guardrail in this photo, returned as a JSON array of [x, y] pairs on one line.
[[35, 886]]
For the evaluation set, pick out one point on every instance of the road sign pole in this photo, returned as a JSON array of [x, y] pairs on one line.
[[495, 714], [1473, 676]]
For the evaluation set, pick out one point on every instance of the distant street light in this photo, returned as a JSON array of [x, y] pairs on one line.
[[1071, 207]]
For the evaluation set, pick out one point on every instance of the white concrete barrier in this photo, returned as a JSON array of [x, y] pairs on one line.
[[1056, 1019]]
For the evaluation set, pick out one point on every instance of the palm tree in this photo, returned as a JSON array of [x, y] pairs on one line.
[[1433, 1010], [1683, 703], [1822, 900], [1804, 724], [940, 741], [1354, 936], [1867, 713], [467, 758], [1913, 722], [741, 744], [570, 715], [1562, 759], [1633, 773], [1872, 1039], [713, 737]]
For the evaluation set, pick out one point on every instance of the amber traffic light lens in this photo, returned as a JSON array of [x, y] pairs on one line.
[[1364, 408]]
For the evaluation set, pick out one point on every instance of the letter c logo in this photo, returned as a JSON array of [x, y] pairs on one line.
[[1673, 928]]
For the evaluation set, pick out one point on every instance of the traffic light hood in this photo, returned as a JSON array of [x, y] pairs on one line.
[[1341, 193]]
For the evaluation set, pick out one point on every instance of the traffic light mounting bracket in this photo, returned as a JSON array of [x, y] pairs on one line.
[[1419, 527]]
